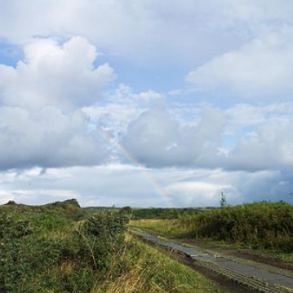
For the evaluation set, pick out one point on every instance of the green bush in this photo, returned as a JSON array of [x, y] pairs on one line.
[[166, 213], [45, 249], [102, 236], [267, 225]]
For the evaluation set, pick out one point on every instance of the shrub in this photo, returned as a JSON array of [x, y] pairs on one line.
[[267, 225], [102, 236], [44, 249]]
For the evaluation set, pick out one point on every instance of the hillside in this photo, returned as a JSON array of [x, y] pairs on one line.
[[63, 248]]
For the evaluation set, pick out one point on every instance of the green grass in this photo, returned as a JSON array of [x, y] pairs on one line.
[[275, 256], [50, 249], [178, 228], [61, 248], [259, 225], [149, 271], [174, 228]]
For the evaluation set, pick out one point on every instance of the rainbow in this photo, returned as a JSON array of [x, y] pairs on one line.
[[132, 160]]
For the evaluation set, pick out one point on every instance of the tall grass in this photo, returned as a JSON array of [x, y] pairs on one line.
[[49, 249], [263, 225], [146, 270]]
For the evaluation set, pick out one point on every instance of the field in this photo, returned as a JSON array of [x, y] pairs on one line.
[[264, 228], [62, 248], [259, 225]]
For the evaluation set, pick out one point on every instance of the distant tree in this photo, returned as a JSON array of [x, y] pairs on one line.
[[223, 201]]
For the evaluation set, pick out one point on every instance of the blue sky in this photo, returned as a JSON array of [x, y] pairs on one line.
[[146, 103]]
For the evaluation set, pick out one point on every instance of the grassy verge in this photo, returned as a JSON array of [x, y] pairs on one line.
[[259, 225], [274, 257], [60, 248], [175, 228], [146, 270], [184, 228]]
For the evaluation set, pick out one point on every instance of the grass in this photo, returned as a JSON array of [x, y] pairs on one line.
[[275, 256], [153, 272], [174, 228], [259, 225], [178, 228], [285, 257], [60, 248], [57, 248]]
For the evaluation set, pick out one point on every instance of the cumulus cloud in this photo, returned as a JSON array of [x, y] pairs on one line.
[[52, 75], [270, 146], [242, 137], [47, 138], [262, 67], [41, 98], [144, 29], [54, 112], [156, 138], [249, 116], [122, 107]]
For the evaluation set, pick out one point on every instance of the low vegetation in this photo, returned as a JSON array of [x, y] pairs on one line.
[[146, 270], [55, 249], [61, 248], [153, 213], [167, 213], [258, 225]]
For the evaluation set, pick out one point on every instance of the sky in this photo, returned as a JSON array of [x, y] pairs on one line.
[[146, 103]]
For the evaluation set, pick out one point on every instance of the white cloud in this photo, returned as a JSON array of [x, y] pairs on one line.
[[46, 138], [52, 101], [156, 138], [269, 147], [91, 185], [263, 67], [40, 117], [243, 116], [197, 193], [122, 107], [200, 187], [141, 30], [142, 187], [243, 137], [52, 75]]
